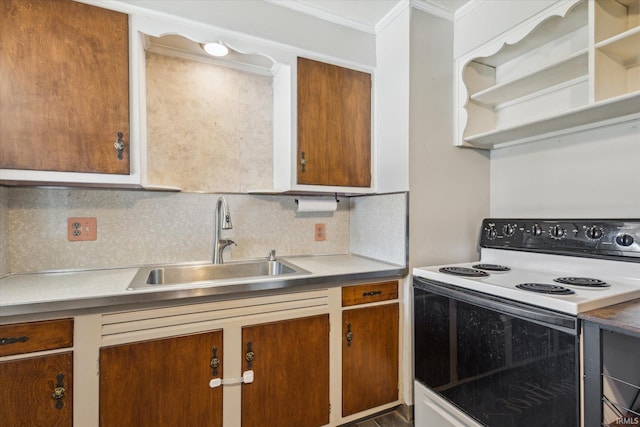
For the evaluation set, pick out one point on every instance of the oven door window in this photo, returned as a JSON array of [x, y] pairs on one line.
[[500, 369]]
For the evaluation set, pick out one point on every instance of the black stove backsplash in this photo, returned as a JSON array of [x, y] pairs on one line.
[[596, 238]]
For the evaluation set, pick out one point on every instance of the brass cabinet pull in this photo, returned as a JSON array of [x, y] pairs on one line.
[[13, 340], [371, 293], [303, 162], [59, 392], [119, 145], [215, 362], [349, 335], [249, 355]]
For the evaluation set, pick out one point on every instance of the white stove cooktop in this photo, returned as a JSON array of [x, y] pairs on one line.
[[527, 267]]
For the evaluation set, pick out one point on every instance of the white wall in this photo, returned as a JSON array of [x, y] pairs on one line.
[[591, 174], [449, 186], [391, 112]]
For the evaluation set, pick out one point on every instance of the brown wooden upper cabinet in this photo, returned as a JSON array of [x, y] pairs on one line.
[[334, 125], [64, 87]]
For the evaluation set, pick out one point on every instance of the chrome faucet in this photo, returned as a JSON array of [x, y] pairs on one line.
[[222, 221]]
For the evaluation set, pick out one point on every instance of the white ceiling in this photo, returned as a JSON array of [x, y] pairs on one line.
[[368, 15]]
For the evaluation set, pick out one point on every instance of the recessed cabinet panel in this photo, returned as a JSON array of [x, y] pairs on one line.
[[162, 382], [28, 390], [334, 125], [290, 360], [369, 357], [64, 91]]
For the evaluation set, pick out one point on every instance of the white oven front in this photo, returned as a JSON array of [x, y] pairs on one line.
[[433, 411]]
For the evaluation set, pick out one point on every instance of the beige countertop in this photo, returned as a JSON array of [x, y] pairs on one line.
[[22, 294]]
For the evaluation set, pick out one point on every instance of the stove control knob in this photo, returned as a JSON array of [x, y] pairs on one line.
[[594, 232], [509, 230], [491, 232], [557, 232], [536, 230], [624, 240]]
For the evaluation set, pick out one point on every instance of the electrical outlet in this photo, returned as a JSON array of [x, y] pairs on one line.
[[320, 232], [82, 229]]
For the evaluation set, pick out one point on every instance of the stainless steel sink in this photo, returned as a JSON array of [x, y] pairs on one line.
[[201, 273]]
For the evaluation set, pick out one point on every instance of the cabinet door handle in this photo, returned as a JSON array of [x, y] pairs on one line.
[[215, 362], [303, 162], [371, 293], [249, 355], [13, 340], [349, 335], [59, 392], [119, 145]]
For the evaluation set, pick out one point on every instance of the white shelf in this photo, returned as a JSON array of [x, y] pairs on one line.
[[621, 108], [624, 47], [544, 33], [553, 74]]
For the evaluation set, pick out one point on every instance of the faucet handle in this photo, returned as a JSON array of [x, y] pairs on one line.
[[272, 255]]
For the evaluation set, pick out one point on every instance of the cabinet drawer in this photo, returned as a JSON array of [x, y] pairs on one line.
[[35, 336], [370, 292]]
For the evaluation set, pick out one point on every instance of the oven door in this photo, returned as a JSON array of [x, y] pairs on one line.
[[502, 362]]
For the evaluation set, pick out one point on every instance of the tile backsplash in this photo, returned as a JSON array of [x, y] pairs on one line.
[[142, 227], [209, 127], [139, 227]]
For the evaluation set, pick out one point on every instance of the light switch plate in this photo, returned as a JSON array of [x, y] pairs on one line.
[[82, 229]]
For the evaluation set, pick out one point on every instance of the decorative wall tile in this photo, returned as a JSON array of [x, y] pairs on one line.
[[379, 227], [137, 227], [209, 127]]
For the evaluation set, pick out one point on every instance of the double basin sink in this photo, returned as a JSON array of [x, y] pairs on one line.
[[211, 274]]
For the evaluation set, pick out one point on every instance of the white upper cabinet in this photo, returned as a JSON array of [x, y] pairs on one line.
[[571, 67]]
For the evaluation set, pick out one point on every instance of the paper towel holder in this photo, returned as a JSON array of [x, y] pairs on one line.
[[335, 195]]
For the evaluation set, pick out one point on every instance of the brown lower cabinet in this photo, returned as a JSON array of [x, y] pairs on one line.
[[290, 360], [369, 357], [162, 382], [27, 389]]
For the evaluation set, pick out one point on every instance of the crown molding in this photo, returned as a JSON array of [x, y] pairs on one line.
[[467, 8], [325, 15], [433, 9], [335, 18], [391, 15]]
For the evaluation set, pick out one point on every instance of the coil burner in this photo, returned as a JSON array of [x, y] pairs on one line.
[[582, 281], [463, 271], [544, 288], [491, 267]]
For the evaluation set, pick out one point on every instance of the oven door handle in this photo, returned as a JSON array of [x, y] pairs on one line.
[[559, 321]]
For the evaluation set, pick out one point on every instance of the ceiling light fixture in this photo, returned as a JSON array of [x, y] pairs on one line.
[[215, 49]]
